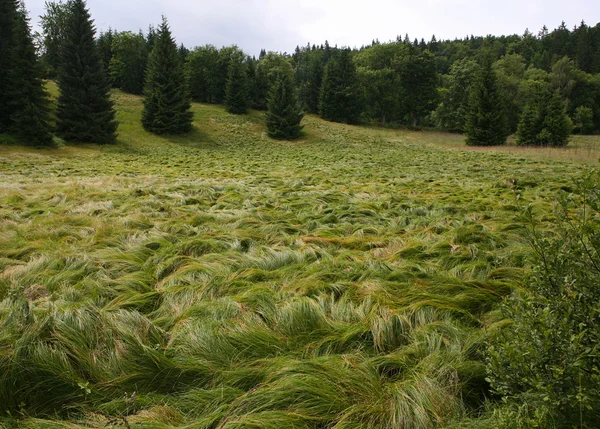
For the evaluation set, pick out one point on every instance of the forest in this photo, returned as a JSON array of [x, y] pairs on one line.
[[404, 235]]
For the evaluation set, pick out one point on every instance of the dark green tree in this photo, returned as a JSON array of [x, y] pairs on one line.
[[418, 84], [85, 112], [105, 45], [544, 122], [283, 116], [486, 120], [54, 25], [166, 95], [201, 68], [236, 91], [128, 62], [557, 126], [530, 125], [341, 96], [30, 105], [8, 11]]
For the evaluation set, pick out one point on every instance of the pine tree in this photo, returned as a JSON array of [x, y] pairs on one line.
[[341, 99], [283, 115], [85, 112], [557, 126], [166, 95], [30, 109], [8, 10], [236, 91], [529, 125], [486, 121]]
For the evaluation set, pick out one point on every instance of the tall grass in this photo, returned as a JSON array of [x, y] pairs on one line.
[[224, 280]]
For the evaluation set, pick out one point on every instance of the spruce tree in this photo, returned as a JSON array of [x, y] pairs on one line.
[[30, 109], [236, 91], [557, 126], [8, 10], [529, 125], [85, 112], [167, 100], [341, 99], [486, 120], [283, 115]]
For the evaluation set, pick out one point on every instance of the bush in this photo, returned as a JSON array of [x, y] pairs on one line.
[[546, 360]]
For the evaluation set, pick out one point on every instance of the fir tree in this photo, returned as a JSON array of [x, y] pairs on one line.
[[30, 111], [166, 95], [486, 120], [341, 99], [236, 91], [8, 10], [544, 122], [283, 115], [557, 126], [85, 112], [529, 126]]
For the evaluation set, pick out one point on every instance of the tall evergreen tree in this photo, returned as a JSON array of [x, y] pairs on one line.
[[557, 126], [236, 91], [8, 11], [166, 95], [341, 98], [85, 112], [283, 115], [30, 109], [486, 121]]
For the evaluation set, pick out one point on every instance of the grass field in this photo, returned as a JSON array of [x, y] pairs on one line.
[[225, 280]]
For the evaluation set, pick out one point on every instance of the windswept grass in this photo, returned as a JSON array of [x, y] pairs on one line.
[[225, 280]]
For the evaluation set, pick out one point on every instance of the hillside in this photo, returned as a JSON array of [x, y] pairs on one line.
[[226, 280]]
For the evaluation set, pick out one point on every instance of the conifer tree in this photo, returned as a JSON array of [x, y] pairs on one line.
[[8, 10], [341, 99], [544, 122], [236, 91], [557, 126], [167, 101], [529, 125], [85, 112], [486, 120], [30, 109], [283, 115]]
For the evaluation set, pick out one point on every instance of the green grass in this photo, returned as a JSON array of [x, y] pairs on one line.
[[344, 280]]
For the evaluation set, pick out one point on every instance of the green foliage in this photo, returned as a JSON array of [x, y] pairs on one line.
[[166, 94], [544, 122], [583, 119], [25, 112], [452, 110], [128, 61], [8, 11], [546, 358], [341, 97], [486, 121], [85, 112], [201, 69], [283, 115], [55, 24], [418, 84], [236, 92]]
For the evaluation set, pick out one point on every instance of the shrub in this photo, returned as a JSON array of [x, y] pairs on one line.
[[546, 359]]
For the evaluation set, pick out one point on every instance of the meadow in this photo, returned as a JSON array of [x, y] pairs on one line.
[[225, 280]]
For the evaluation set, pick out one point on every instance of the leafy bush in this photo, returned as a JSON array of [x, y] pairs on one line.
[[545, 362]]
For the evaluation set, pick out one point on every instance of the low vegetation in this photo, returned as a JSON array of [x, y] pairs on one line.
[[221, 279]]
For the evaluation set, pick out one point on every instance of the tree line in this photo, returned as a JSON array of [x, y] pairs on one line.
[[539, 87]]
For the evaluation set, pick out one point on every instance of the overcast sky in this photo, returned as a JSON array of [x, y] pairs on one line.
[[280, 25]]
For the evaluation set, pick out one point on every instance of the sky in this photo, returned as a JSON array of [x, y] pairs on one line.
[[281, 25]]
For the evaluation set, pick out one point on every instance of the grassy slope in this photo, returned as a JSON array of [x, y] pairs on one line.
[[341, 281]]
